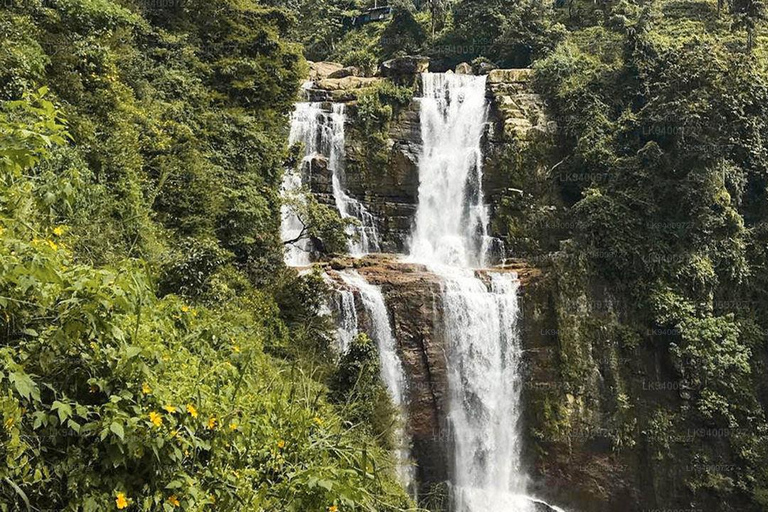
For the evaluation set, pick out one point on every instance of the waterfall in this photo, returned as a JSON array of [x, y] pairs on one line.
[[392, 373], [480, 310], [346, 318], [322, 134], [364, 237], [304, 129], [451, 219], [484, 375]]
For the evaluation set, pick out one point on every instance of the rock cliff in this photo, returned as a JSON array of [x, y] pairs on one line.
[[586, 411], [414, 299], [390, 189]]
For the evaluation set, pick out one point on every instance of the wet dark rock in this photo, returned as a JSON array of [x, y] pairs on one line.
[[404, 67], [345, 72], [413, 296]]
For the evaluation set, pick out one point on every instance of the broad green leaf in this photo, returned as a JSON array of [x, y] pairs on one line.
[[117, 429]]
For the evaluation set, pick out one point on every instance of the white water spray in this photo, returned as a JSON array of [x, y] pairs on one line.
[[346, 318], [364, 235], [451, 219], [485, 382], [305, 129]]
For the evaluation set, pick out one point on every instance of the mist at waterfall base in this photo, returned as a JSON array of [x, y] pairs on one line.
[[480, 309], [322, 134]]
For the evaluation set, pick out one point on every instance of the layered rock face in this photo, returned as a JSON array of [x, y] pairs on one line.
[[573, 465], [413, 296], [518, 120], [390, 191], [587, 405]]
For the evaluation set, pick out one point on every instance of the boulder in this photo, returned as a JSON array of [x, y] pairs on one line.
[[405, 66], [464, 69], [500, 76], [345, 72], [345, 84], [320, 70], [483, 68]]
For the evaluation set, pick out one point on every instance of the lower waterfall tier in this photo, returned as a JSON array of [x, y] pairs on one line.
[[575, 470], [413, 295]]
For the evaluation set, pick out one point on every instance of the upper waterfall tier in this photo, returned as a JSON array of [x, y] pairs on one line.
[[451, 219], [323, 135]]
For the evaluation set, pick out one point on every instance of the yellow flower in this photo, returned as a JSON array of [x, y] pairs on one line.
[[212, 423], [52, 244], [146, 389], [233, 426], [174, 433], [170, 409], [155, 418], [173, 500], [121, 501], [333, 508], [191, 410], [317, 421], [235, 349], [281, 444], [185, 309], [58, 230]]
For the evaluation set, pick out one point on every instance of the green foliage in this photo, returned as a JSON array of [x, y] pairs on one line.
[[509, 34], [663, 126], [376, 107], [357, 386], [403, 34], [140, 366], [321, 223]]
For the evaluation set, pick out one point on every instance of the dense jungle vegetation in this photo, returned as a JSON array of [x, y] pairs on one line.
[[156, 354]]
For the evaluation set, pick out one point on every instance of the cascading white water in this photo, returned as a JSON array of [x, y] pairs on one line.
[[364, 237], [346, 319], [451, 219], [392, 373], [484, 374], [480, 317], [322, 133], [342, 308], [304, 129], [480, 309]]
